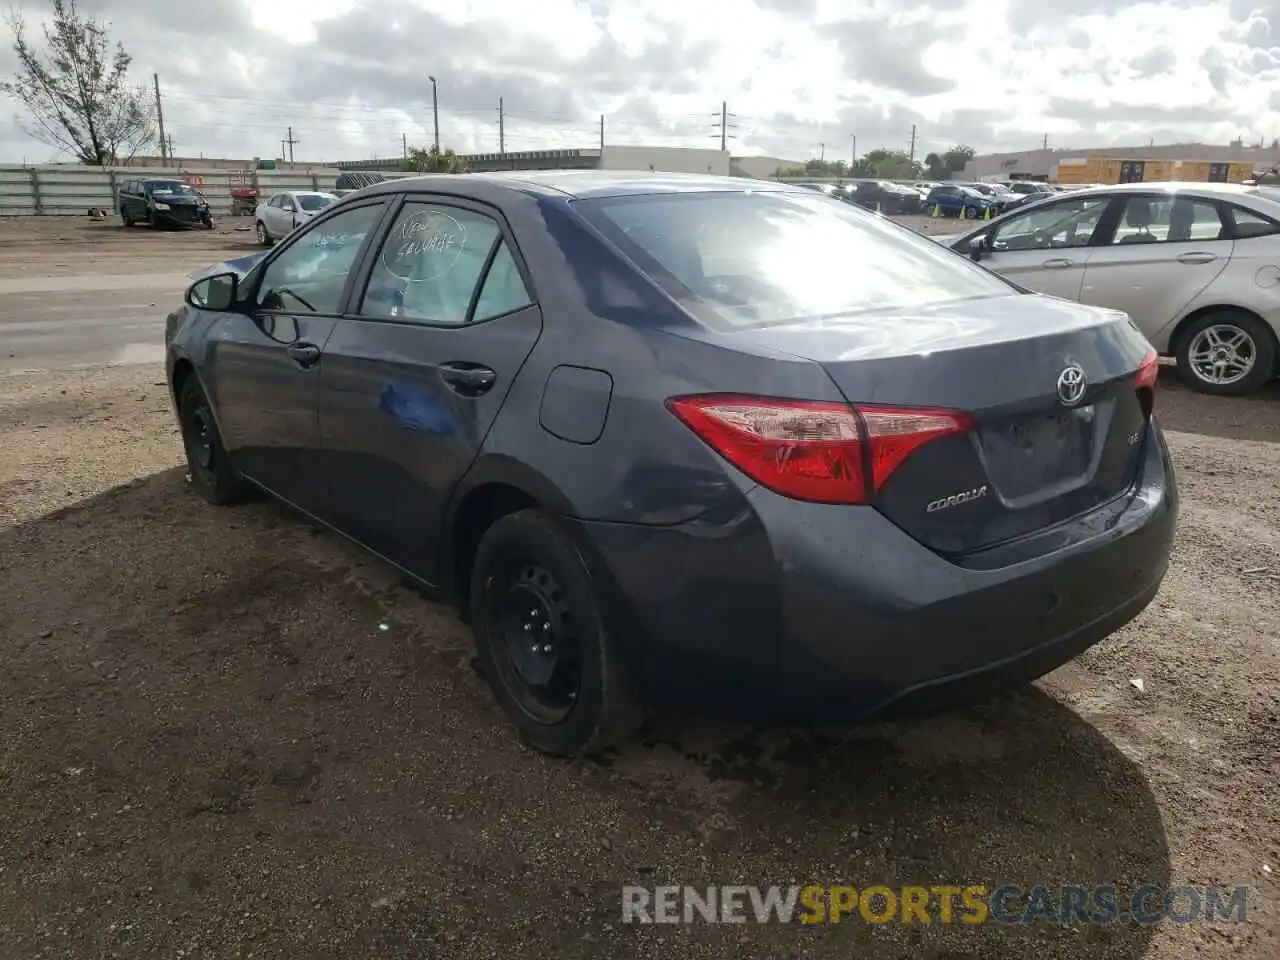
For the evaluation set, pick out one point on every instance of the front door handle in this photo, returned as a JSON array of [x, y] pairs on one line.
[[1058, 263], [1197, 257], [468, 379], [303, 354]]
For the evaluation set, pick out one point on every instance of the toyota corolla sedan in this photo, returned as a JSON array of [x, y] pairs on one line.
[[1195, 265], [668, 436]]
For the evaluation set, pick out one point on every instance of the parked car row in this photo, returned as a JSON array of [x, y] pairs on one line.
[[663, 437], [1195, 265]]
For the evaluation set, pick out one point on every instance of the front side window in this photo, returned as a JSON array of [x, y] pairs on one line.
[[309, 275], [1070, 223], [1167, 220], [430, 264], [756, 258]]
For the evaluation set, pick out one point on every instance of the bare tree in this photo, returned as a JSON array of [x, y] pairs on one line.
[[77, 92]]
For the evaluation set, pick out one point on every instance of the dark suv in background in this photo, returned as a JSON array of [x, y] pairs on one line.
[[162, 203], [885, 196]]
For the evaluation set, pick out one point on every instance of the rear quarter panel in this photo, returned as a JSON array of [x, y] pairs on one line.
[[645, 466]]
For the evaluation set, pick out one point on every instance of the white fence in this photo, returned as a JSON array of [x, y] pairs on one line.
[[70, 190]]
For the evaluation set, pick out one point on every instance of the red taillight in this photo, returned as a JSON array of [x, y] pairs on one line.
[[807, 450], [1149, 372]]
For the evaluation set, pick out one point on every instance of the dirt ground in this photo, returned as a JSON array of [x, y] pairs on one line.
[[224, 733]]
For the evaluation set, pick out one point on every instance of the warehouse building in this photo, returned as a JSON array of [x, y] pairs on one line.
[[1043, 164], [666, 159]]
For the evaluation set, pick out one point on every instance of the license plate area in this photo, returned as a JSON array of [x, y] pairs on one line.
[[1030, 454]]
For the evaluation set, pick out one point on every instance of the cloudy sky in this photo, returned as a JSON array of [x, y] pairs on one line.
[[799, 76]]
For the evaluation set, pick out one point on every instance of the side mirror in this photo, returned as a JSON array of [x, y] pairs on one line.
[[977, 247], [217, 293]]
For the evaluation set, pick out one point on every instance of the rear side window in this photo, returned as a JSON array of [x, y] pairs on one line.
[[1168, 220], [756, 258], [430, 264], [1247, 223]]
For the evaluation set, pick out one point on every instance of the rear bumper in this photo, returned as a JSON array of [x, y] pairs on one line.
[[834, 611]]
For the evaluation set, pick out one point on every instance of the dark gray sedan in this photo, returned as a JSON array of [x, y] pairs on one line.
[[673, 437]]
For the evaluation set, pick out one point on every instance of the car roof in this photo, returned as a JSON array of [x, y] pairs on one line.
[[579, 184], [1170, 186]]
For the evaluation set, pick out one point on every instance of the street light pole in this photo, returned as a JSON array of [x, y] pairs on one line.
[[435, 114]]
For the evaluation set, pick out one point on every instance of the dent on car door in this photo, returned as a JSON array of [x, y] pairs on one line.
[[1046, 248], [1163, 252], [263, 364], [413, 381]]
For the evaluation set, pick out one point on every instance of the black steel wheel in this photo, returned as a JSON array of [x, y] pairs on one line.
[[543, 644], [208, 466]]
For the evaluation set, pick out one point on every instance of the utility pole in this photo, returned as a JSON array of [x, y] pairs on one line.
[[853, 156], [435, 116], [164, 146], [912, 155], [602, 133], [290, 141], [1045, 146], [822, 153], [502, 131], [726, 122], [171, 153], [404, 145]]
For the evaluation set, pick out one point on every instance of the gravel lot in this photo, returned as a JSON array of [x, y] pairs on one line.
[[224, 733]]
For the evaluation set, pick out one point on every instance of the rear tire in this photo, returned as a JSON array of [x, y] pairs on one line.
[[125, 218], [1235, 335], [544, 647], [208, 465]]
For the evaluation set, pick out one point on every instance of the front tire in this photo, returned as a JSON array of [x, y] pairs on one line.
[[543, 644], [208, 465], [264, 238], [125, 218], [1228, 353]]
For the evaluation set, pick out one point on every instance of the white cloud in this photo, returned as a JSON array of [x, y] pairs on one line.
[[350, 75]]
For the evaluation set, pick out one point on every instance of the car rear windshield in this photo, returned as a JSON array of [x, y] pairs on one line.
[[757, 258], [313, 201]]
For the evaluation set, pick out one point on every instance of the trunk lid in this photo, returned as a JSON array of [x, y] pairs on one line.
[[1049, 385]]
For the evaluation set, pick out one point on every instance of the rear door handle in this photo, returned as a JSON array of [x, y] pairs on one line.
[[1197, 257], [303, 354], [468, 379], [1057, 263]]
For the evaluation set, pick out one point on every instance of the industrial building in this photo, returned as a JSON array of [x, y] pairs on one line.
[[610, 157], [669, 159], [1043, 164]]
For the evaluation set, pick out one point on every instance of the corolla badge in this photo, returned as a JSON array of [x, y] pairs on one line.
[[1071, 385]]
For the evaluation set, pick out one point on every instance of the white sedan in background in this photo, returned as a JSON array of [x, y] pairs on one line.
[[1195, 265], [284, 212]]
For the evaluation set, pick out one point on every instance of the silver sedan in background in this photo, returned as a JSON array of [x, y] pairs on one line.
[[1196, 265]]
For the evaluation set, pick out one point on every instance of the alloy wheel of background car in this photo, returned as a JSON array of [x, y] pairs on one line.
[[208, 466], [264, 238], [1228, 353], [531, 590]]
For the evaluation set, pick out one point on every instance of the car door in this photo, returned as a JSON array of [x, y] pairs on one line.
[[416, 372], [264, 363], [273, 217], [1163, 251], [1046, 247]]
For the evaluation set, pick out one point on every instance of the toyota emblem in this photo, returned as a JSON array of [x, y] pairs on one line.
[[1071, 384]]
